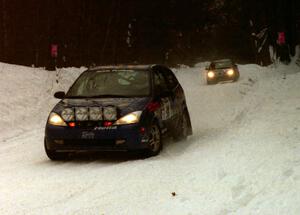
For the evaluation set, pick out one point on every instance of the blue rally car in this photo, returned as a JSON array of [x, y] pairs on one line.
[[118, 108]]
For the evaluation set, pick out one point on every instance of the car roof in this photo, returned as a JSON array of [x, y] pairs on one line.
[[119, 67]]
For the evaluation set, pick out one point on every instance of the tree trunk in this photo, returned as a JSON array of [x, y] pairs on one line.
[[4, 33]]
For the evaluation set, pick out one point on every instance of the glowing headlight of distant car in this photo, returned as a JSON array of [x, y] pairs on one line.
[[211, 74], [110, 113], [55, 119], [68, 114], [130, 118], [230, 72], [95, 113], [81, 113]]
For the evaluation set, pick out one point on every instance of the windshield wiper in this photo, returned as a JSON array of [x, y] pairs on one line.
[[75, 97], [97, 96], [108, 96]]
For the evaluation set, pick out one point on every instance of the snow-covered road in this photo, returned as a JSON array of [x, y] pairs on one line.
[[244, 156]]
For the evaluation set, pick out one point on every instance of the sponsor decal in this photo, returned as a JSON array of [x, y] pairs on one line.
[[166, 110], [87, 135], [146, 140]]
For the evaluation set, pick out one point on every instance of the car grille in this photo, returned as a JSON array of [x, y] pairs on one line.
[[88, 124], [220, 72]]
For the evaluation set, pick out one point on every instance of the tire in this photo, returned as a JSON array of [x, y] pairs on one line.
[[181, 131], [211, 82], [55, 156], [237, 76], [155, 141]]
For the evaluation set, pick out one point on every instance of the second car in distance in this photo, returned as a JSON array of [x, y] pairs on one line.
[[222, 70]]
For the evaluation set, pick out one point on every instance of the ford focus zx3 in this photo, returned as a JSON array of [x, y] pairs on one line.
[[118, 108]]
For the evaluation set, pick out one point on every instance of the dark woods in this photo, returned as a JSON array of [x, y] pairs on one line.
[[79, 32]]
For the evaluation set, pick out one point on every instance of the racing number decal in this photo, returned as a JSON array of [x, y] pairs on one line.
[[166, 110]]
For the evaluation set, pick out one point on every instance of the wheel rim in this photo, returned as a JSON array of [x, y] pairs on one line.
[[154, 141]]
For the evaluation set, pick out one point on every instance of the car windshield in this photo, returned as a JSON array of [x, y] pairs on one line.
[[111, 83], [221, 64]]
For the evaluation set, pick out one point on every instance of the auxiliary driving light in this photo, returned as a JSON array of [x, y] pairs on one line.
[[81, 113], [110, 113], [95, 113], [68, 114]]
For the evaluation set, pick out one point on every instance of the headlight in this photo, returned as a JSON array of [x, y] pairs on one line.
[[81, 114], [110, 113], [211, 74], [55, 119], [130, 118], [95, 113], [230, 72], [68, 114]]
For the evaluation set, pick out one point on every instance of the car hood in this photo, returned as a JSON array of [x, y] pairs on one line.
[[124, 105], [223, 68]]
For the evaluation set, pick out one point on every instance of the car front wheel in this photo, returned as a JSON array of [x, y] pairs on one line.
[[237, 75], [155, 141]]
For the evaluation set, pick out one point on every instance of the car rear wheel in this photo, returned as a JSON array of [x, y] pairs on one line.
[[181, 131], [155, 141]]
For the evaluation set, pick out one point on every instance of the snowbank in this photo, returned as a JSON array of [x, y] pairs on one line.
[[26, 96]]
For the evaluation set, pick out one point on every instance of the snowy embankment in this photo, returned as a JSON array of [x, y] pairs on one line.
[[244, 156], [26, 96]]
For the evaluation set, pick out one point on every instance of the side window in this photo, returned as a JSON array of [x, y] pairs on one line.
[[171, 79], [160, 82], [156, 80]]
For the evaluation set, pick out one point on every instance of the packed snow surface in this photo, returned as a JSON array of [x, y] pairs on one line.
[[244, 156]]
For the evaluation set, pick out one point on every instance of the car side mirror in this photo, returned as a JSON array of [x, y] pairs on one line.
[[59, 95]]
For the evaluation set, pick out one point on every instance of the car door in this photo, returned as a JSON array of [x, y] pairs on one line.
[[164, 97], [177, 98]]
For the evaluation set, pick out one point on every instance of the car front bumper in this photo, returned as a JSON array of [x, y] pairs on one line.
[[222, 78], [114, 138]]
